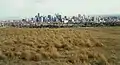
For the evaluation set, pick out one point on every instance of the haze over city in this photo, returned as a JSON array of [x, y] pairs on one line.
[[29, 8]]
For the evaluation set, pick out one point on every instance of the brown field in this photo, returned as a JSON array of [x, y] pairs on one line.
[[60, 46]]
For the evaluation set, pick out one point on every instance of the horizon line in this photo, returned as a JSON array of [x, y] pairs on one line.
[[17, 17]]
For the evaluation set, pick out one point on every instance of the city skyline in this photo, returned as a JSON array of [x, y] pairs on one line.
[[28, 8]]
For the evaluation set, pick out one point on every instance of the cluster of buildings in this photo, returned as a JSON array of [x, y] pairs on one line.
[[48, 18], [85, 20], [73, 19]]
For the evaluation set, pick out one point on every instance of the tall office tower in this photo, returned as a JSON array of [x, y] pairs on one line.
[[38, 15], [44, 19], [96, 19], [59, 17], [79, 15], [54, 19], [49, 18], [36, 18], [89, 19], [73, 17], [83, 16], [92, 19], [41, 18], [99, 18]]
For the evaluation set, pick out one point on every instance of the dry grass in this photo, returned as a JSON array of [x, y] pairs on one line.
[[67, 46]]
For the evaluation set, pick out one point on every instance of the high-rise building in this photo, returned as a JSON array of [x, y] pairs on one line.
[[92, 18], [84, 17], [54, 19], [49, 18], [38, 14], [59, 17], [41, 18], [79, 15], [36, 18], [44, 20]]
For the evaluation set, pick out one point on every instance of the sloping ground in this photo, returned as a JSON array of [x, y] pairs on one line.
[[51, 47]]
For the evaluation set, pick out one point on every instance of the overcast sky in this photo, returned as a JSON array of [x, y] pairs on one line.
[[28, 8]]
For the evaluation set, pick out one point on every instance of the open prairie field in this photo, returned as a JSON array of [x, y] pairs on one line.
[[60, 46]]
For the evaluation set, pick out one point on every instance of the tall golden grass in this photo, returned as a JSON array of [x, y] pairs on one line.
[[72, 46]]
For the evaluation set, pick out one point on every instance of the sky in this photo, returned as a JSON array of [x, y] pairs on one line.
[[29, 8]]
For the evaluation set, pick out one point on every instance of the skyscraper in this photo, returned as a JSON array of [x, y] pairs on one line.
[[59, 17], [93, 18], [36, 18], [79, 15], [38, 14], [44, 20], [54, 19], [49, 18]]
